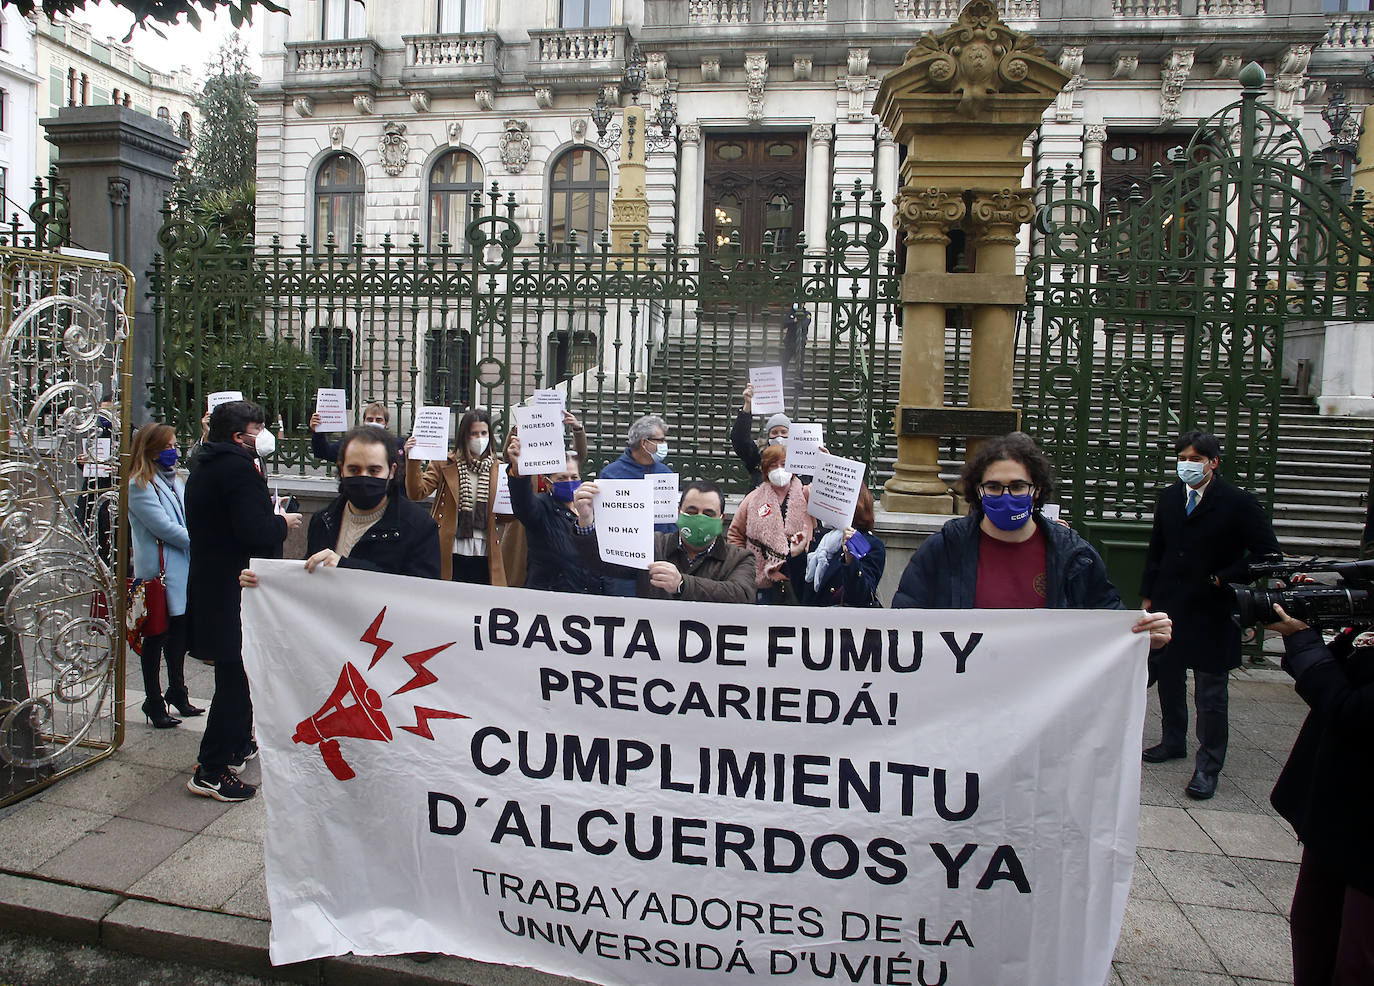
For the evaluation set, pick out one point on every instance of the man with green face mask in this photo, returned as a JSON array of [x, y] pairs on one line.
[[694, 561]]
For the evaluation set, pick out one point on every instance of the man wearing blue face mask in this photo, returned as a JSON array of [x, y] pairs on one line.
[[1205, 534], [1004, 554], [644, 456], [549, 518]]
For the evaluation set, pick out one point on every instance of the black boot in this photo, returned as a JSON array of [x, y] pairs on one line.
[[156, 714], [180, 699]]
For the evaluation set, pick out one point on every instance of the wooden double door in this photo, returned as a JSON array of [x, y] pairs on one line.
[[754, 192]]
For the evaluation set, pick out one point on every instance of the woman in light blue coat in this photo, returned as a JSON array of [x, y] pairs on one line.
[[157, 518]]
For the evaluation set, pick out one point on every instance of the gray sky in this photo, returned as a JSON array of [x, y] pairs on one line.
[[184, 45]]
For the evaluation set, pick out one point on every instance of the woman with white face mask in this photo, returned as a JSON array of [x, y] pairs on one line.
[[465, 497], [772, 522]]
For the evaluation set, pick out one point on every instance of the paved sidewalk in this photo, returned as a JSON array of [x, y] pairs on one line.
[[122, 855]]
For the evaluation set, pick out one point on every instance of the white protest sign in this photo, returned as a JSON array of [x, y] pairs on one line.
[[502, 504], [553, 397], [430, 429], [834, 490], [625, 521], [804, 443], [223, 397], [542, 450], [602, 788], [332, 407], [665, 497], [1050, 511], [99, 458], [768, 397]]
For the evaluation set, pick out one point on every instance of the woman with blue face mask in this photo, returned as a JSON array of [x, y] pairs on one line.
[[161, 546], [550, 519]]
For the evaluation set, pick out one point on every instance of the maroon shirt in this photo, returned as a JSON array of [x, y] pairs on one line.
[[1010, 575]]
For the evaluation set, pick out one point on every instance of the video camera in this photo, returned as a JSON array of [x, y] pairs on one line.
[[1305, 595]]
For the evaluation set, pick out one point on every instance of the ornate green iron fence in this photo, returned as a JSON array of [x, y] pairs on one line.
[[1161, 314], [487, 321]]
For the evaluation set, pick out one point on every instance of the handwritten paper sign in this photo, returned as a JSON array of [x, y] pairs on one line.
[[625, 521], [99, 455], [804, 443], [502, 505], [665, 497], [835, 490], [223, 397], [767, 381], [332, 407], [542, 450], [431, 434], [1050, 512], [553, 397]]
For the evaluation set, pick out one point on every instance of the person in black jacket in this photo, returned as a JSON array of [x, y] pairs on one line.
[[230, 517], [368, 525], [1326, 792], [1004, 554], [1205, 533], [549, 519], [375, 415], [774, 433]]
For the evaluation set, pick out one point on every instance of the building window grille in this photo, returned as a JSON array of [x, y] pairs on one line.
[[461, 16], [339, 188], [453, 181], [579, 197]]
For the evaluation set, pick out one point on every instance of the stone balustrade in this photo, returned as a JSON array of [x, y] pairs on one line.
[[1353, 30]]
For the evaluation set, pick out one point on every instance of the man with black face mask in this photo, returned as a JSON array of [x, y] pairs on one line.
[[369, 525]]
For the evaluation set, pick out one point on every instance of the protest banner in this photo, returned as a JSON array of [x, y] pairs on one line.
[[768, 396], [332, 407], [542, 450], [552, 397], [632, 791], [804, 443], [430, 429], [835, 490], [665, 497], [222, 397], [625, 521]]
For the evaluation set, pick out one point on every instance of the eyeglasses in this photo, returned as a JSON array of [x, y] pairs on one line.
[[1018, 488]]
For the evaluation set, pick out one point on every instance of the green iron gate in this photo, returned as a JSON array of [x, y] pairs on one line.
[[1165, 313]]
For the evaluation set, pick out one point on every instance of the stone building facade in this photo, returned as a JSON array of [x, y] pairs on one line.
[[19, 86]]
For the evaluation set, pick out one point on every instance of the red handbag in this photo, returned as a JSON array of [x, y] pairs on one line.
[[146, 613]]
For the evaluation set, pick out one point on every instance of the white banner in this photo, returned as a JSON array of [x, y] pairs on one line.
[[634, 791]]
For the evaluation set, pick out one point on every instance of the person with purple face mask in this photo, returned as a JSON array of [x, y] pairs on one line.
[[550, 521], [1004, 554]]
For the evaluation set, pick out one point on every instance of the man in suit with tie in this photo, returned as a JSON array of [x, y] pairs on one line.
[[1206, 532]]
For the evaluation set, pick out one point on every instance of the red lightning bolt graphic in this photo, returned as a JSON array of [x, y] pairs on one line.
[[370, 637], [424, 715], [423, 676]]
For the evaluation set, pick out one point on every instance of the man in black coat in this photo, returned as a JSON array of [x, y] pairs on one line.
[[1326, 792], [230, 517], [1206, 532]]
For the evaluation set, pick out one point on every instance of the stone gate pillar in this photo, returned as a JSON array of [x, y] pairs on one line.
[[963, 104]]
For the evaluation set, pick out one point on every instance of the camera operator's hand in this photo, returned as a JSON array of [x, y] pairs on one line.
[[1286, 623]]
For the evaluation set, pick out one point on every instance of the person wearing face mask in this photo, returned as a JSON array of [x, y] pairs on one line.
[[773, 524], [643, 456], [845, 567], [1206, 533], [368, 526], [694, 562], [774, 433], [1004, 554], [230, 518], [464, 488], [161, 547], [374, 415], [553, 561]]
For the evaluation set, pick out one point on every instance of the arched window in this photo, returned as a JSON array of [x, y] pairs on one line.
[[165, 115], [338, 199], [779, 219], [333, 348], [461, 16], [579, 197], [453, 180]]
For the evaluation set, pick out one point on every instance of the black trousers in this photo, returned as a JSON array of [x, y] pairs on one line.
[[229, 726], [471, 568], [171, 647], [1211, 702]]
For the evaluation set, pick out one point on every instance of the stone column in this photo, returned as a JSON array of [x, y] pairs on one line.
[[1094, 136], [119, 166], [887, 175], [689, 188], [995, 224], [630, 206], [817, 214]]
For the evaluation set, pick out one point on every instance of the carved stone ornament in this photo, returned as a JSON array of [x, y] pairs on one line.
[[1349, 135], [1315, 91], [543, 97], [690, 133], [1001, 214], [1071, 63], [858, 61], [1095, 133], [579, 130], [755, 78], [1292, 72], [304, 106], [656, 66], [978, 58], [822, 133], [336, 136], [118, 191], [885, 136], [1178, 65], [455, 133], [394, 148], [515, 146], [363, 103], [710, 70], [926, 214], [484, 99], [1227, 65], [1124, 65], [419, 101], [801, 67]]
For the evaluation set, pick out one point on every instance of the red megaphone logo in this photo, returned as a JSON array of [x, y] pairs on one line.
[[354, 711]]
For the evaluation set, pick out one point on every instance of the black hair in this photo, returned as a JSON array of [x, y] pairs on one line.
[[1203, 443], [229, 419], [372, 435], [1016, 447], [704, 486]]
